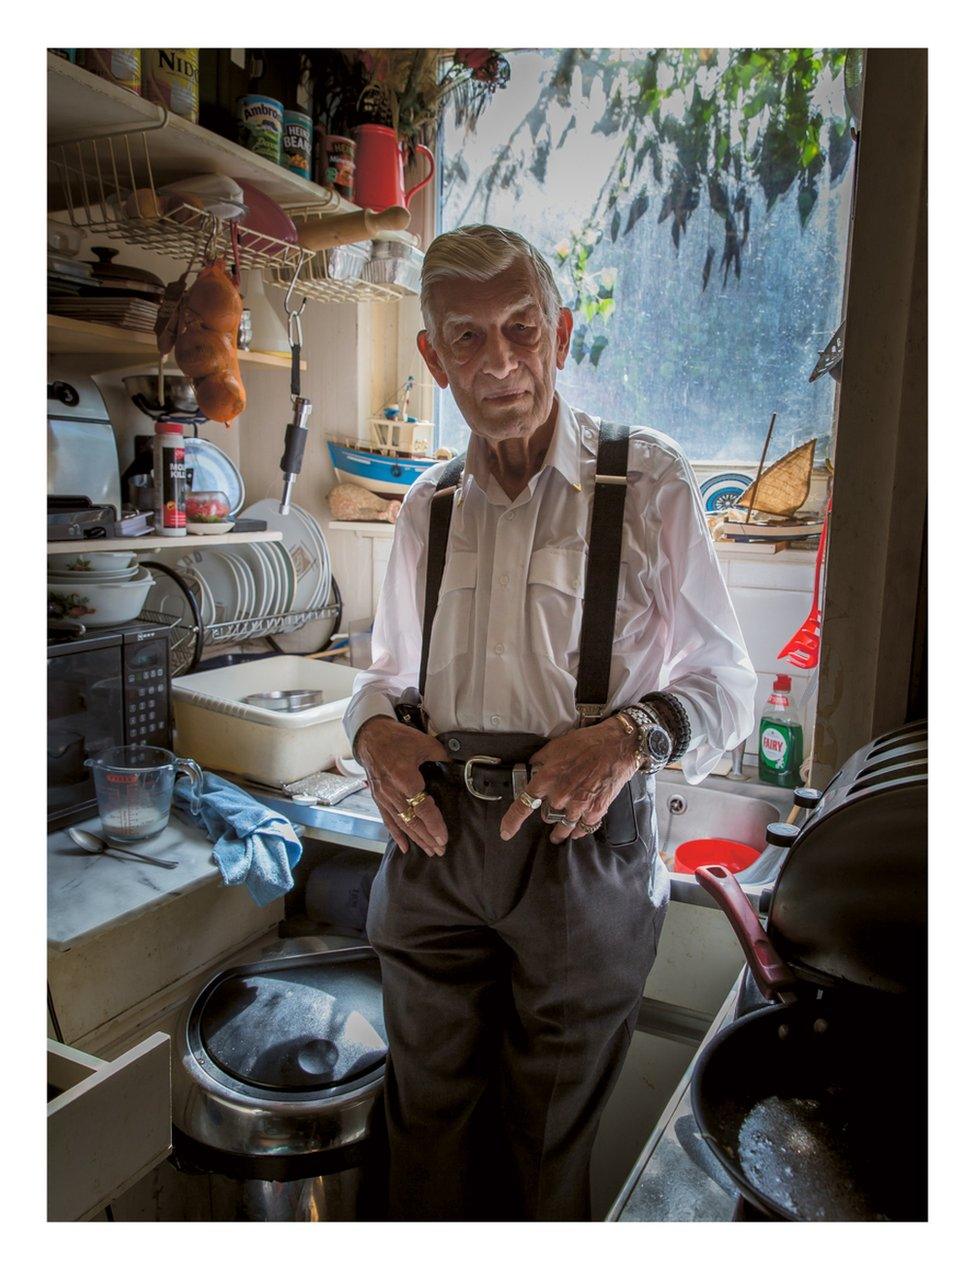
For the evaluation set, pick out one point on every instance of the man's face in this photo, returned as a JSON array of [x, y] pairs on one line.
[[492, 344]]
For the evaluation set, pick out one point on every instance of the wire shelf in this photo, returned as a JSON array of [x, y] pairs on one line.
[[107, 188]]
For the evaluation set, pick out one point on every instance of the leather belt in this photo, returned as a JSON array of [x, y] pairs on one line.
[[487, 778]]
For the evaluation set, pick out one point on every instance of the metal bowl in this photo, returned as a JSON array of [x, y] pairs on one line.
[[291, 701], [180, 397]]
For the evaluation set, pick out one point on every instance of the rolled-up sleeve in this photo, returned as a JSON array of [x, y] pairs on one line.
[[397, 625], [706, 663]]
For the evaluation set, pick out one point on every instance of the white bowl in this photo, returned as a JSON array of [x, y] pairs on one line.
[[96, 562], [91, 579], [101, 603]]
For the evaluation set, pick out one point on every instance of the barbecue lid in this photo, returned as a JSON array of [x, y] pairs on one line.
[[295, 1027], [849, 907]]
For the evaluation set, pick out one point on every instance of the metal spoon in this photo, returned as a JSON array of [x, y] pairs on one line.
[[96, 846]]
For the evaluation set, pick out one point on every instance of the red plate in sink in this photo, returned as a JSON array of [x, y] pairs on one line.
[[714, 850]]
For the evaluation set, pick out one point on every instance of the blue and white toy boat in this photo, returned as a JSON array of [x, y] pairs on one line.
[[387, 474]]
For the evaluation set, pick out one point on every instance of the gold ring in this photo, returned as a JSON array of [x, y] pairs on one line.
[[590, 828], [417, 798], [407, 815], [528, 800]]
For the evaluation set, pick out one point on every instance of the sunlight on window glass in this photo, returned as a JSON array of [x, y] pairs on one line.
[[668, 335]]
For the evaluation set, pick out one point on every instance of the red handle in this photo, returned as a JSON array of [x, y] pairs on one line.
[[821, 551], [421, 149], [773, 975]]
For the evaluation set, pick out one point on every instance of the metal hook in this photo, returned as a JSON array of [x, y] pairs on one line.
[[211, 249], [294, 312]]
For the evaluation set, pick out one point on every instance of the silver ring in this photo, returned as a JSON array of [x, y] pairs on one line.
[[551, 816]]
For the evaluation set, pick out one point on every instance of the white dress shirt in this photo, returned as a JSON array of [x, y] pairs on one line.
[[505, 641]]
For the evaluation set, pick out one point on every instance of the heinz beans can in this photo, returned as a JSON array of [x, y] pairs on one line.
[[171, 78], [260, 123], [296, 143]]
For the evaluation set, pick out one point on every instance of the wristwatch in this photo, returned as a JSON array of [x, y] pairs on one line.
[[654, 742]]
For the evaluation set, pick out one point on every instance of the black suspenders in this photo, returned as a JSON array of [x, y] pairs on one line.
[[602, 568]]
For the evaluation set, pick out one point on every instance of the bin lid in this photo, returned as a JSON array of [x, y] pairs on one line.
[[297, 1026]]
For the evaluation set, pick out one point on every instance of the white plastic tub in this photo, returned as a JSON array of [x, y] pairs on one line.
[[215, 727]]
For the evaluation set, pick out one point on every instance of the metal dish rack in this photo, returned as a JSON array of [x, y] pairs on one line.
[[97, 175], [190, 635]]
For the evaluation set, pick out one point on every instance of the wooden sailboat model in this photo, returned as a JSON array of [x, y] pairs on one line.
[[772, 501]]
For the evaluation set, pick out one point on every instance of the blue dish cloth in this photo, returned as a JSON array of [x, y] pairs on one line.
[[253, 845]]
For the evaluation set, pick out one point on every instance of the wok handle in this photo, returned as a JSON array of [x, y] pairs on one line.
[[773, 976]]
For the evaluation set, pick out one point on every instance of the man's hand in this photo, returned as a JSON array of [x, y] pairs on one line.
[[392, 753], [580, 773]]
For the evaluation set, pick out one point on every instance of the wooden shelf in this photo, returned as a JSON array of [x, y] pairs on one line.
[[152, 543], [68, 335], [80, 104]]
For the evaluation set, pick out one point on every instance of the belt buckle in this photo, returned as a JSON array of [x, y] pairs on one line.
[[484, 760]]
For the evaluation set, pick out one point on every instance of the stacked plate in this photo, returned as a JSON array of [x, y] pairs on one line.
[[255, 588], [134, 314]]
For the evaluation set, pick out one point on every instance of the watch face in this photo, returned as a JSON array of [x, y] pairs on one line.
[[658, 744]]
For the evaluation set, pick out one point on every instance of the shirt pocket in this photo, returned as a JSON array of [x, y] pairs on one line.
[[451, 633], [554, 594]]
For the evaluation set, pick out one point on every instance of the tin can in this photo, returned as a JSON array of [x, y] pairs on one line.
[[296, 143], [121, 66], [335, 161], [260, 123], [171, 78]]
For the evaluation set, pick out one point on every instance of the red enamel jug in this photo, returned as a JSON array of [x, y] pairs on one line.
[[380, 158]]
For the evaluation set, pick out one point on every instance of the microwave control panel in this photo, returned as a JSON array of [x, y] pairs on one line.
[[145, 693]]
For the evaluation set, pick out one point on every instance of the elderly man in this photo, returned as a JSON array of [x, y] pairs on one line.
[[553, 629]]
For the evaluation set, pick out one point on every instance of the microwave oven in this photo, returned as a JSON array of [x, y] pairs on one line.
[[103, 689]]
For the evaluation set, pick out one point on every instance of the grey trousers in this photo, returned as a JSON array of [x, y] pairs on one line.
[[512, 977]]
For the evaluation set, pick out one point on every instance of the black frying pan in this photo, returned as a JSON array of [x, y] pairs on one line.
[[815, 1107]]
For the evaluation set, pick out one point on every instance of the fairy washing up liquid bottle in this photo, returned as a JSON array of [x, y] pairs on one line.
[[780, 737]]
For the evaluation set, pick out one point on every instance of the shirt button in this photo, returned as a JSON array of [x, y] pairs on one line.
[[499, 648], [494, 720], [504, 579]]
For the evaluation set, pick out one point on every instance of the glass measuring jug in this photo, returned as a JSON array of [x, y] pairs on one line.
[[134, 789]]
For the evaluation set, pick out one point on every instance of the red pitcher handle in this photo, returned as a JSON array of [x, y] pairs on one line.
[[421, 149], [772, 974]]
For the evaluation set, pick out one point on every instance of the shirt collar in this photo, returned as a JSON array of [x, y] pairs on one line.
[[563, 453]]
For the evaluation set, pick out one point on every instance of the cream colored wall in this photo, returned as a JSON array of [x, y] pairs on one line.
[[357, 356]]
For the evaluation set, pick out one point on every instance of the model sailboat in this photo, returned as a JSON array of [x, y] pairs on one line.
[[774, 498]]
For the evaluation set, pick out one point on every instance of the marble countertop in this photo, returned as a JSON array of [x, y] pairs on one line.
[[677, 1178], [88, 894]]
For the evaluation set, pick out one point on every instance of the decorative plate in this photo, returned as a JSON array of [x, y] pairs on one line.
[[719, 493]]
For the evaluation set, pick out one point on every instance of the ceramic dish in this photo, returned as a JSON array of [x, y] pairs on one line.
[[104, 603], [96, 562], [91, 579], [202, 527], [303, 545]]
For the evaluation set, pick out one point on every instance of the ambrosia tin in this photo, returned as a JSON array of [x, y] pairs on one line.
[[260, 123]]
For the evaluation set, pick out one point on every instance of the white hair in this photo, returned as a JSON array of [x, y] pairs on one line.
[[479, 253]]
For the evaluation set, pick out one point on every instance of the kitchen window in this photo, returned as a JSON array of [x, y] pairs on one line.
[[699, 343]]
